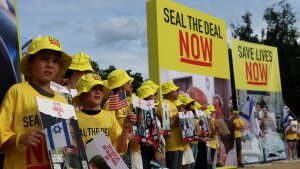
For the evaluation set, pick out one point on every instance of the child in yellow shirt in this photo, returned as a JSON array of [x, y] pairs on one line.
[[92, 119], [21, 135], [238, 126]]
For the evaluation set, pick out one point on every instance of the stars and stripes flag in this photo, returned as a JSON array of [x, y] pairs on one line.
[[58, 135], [117, 101]]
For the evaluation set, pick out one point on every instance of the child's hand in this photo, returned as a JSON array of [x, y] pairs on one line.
[[130, 119], [32, 138]]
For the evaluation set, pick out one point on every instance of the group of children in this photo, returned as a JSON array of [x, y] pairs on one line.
[[21, 134]]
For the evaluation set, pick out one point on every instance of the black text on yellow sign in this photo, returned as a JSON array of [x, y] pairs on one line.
[[256, 64], [194, 48]]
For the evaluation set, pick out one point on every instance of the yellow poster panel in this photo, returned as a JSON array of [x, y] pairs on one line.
[[184, 39], [255, 67]]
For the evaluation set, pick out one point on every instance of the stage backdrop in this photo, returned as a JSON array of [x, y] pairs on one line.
[[189, 47], [9, 49], [257, 82]]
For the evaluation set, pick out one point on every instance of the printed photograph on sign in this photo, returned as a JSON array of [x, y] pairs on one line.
[[166, 118], [102, 154], [202, 124], [64, 142], [187, 125], [262, 113], [138, 127], [150, 120], [207, 91]]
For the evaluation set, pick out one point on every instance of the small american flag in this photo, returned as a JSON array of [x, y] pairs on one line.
[[117, 101]]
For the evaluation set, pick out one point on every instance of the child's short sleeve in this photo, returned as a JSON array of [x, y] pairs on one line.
[[7, 116]]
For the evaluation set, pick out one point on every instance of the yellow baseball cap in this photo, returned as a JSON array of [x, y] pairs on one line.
[[81, 62], [186, 100], [145, 91], [197, 105], [41, 43], [152, 84], [118, 78], [86, 83], [178, 103], [168, 87], [211, 108]]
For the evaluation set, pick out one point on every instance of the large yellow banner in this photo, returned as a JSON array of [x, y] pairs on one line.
[[255, 67], [184, 39]]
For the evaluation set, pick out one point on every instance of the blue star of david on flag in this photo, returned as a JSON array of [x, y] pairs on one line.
[[58, 135]]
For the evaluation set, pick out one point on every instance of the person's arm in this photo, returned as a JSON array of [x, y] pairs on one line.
[[22, 140], [174, 120], [122, 140]]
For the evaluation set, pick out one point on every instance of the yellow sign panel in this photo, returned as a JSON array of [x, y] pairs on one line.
[[184, 39], [255, 67]]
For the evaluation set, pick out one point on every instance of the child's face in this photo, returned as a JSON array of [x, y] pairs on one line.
[[152, 97], [44, 66], [93, 98], [128, 88]]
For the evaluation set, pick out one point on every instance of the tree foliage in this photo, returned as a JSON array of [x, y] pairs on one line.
[[280, 32], [244, 32], [138, 78]]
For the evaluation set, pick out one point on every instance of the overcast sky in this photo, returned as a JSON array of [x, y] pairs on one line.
[[114, 32]]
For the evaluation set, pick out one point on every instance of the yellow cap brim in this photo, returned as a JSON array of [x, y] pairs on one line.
[[105, 91], [65, 61], [121, 82]]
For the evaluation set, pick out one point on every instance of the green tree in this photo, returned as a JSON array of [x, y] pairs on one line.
[[282, 33], [138, 78], [244, 32], [95, 66]]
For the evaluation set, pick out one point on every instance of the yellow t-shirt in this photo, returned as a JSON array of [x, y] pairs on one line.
[[104, 121], [291, 135], [237, 124], [19, 113], [121, 114], [213, 142], [106, 105], [213, 139], [174, 142]]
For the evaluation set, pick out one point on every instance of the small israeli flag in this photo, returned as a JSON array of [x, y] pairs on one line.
[[58, 135]]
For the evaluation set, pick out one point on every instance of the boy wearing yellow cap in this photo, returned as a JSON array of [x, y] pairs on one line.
[[81, 65], [120, 84], [238, 126], [188, 103], [149, 153], [174, 143], [21, 134], [92, 119], [212, 133]]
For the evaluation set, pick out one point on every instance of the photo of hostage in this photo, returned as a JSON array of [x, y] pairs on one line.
[[149, 125], [73, 154], [139, 123], [98, 162]]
